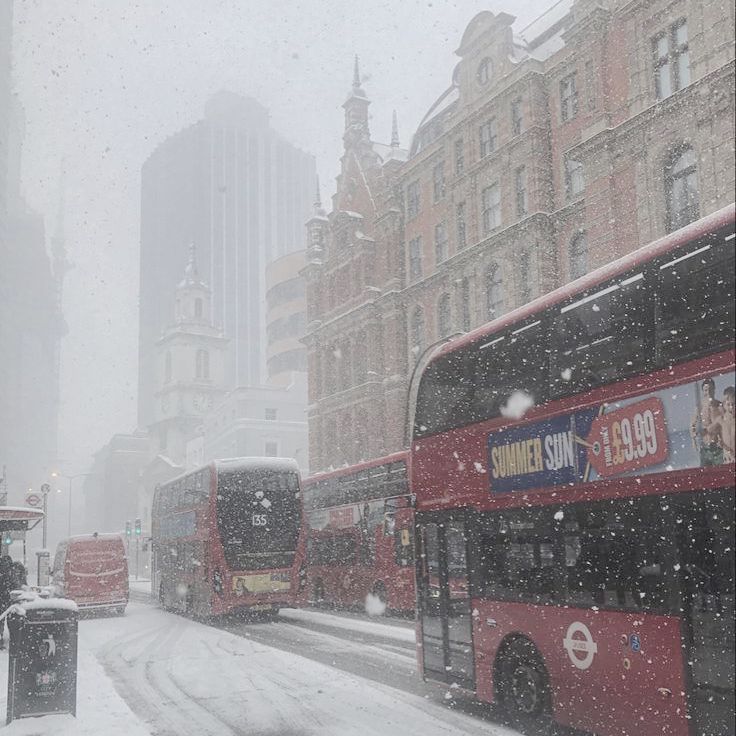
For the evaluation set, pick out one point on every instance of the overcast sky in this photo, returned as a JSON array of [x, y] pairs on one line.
[[103, 81]]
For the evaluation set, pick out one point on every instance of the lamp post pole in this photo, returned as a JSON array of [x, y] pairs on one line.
[[45, 488], [71, 479], [69, 523]]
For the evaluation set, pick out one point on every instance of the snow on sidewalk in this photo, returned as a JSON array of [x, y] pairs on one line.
[[100, 710]]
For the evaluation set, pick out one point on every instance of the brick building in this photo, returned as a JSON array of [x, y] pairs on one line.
[[557, 147]]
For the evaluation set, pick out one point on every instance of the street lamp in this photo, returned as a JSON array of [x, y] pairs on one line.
[[70, 478]]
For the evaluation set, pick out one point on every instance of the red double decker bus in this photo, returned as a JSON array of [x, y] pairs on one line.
[[573, 465], [359, 535], [227, 537]]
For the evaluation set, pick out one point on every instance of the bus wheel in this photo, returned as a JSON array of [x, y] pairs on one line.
[[319, 592], [523, 688]]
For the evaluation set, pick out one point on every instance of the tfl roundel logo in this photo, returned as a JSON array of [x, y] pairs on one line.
[[579, 645]]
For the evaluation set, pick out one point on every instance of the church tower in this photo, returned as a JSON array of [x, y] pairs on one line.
[[190, 366]]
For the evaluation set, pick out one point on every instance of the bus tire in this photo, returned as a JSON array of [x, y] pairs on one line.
[[523, 687]]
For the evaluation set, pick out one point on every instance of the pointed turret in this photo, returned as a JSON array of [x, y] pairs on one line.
[[356, 111], [191, 272], [394, 131]]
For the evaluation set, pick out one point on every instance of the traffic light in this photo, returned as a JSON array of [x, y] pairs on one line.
[[137, 527], [7, 538], [127, 528]]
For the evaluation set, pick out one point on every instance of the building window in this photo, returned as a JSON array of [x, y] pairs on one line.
[[465, 302], [568, 97], [271, 448], [415, 259], [440, 242], [198, 308], [485, 69], [681, 186], [460, 220], [416, 333], [488, 138], [444, 316], [270, 414], [578, 256], [591, 85], [525, 277], [459, 156], [671, 60], [520, 188], [412, 200], [574, 178], [491, 207], [517, 117], [167, 367], [494, 291], [438, 179], [202, 364]]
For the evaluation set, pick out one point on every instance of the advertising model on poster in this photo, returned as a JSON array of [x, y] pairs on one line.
[[686, 426]]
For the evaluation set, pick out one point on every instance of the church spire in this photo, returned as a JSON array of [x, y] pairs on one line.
[[394, 131], [356, 74], [191, 272]]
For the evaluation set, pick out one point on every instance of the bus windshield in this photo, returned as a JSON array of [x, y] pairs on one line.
[[258, 518]]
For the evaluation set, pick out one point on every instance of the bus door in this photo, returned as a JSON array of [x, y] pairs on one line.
[[705, 536], [444, 603]]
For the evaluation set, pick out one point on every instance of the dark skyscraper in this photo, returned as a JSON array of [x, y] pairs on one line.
[[241, 193]]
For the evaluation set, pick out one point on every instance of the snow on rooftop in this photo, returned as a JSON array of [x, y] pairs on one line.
[[390, 153], [284, 464], [546, 21]]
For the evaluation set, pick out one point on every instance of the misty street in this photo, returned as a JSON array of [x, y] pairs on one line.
[[367, 369]]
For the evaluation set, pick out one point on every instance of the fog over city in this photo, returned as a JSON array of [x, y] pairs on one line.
[[102, 89], [367, 368]]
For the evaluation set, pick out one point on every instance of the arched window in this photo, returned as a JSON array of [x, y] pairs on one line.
[[345, 365], [494, 291], [681, 188], [578, 256], [202, 366], [465, 302], [198, 308], [360, 358], [167, 367], [329, 370], [525, 277], [416, 333], [444, 316]]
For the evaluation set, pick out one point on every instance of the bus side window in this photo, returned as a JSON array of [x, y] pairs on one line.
[[695, 313], [603, 337]]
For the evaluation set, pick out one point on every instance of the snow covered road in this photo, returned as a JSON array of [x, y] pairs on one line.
[[307, 674], [182, 677]]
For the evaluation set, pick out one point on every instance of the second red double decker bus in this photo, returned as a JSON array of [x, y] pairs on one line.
[[359, 535], [573, 466], [227, 537]]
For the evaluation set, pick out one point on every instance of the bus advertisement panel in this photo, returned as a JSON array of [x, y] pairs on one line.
[[573, 465], [360, 545], [228, 537]]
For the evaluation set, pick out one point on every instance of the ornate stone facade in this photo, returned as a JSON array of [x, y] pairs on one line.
[[556, 149]]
